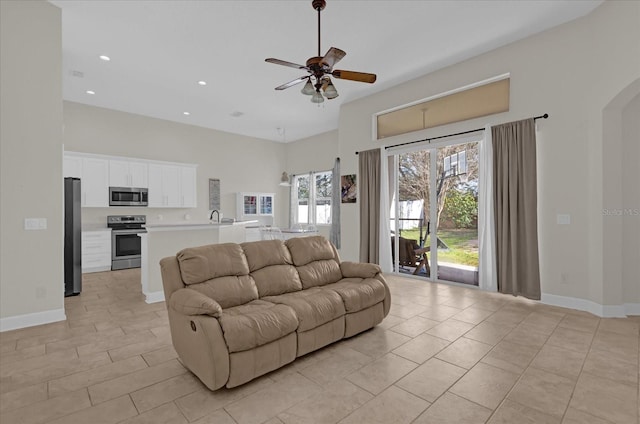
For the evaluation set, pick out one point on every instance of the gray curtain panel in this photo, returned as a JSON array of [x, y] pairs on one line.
[[369, 182], [336, 191], [516, 204]]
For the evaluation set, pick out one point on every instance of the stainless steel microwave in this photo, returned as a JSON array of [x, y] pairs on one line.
[[128, 196]]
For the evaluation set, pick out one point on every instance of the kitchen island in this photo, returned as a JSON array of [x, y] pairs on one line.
[[167, 239]]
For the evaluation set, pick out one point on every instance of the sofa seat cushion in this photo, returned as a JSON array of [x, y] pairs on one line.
[[358, 293], [313, 307], [255, 324]]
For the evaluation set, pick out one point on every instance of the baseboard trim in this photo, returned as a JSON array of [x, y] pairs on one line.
[[632, 308], [603, 311], [154, 297], [29, 320]]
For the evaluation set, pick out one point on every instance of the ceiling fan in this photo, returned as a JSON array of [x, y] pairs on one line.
[[320, 67]]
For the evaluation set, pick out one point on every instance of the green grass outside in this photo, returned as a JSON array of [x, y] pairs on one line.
[[463, 245]]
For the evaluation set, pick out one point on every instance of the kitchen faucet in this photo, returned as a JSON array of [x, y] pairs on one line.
[[211, 215]]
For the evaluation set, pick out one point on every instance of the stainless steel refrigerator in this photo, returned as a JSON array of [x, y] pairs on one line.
[[72, 238]]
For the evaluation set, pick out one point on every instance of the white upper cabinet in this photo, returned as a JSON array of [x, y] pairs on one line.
[[94, 182], [156, 194], [94, 178], [170, 185], [188, 196], [123, 173], [72, 166]]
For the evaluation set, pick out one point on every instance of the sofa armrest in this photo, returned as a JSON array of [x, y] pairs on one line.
[[359, 269], [190, 302]]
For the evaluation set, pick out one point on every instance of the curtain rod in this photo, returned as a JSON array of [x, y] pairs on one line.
[[545, 116]]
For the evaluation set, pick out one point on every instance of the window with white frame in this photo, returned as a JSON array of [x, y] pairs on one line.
[[312, 198]]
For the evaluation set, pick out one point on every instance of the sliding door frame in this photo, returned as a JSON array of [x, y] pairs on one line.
[[433, 214]]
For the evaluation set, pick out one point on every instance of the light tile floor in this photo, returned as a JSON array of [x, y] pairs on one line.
[[445, 354]]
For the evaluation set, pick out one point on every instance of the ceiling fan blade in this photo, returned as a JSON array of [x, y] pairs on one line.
[[333, 56], [285, 63], [292, 83], [354, 76]]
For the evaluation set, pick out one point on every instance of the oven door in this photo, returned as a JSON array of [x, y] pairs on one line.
[[125, 244]]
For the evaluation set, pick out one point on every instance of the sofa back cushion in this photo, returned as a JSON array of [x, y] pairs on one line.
[[263, 253], [219, 271], [199, 264], [271, 267], [315, 259], [308, 249], [229, 291]]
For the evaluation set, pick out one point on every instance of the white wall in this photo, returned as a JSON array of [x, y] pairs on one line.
[[631, 202], [31, 262], [571, 72], [241, 163]]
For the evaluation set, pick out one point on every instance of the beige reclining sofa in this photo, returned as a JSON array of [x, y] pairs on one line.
[[238, 311]]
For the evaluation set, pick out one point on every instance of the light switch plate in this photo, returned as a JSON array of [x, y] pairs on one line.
[[35, 223], [564, 219]]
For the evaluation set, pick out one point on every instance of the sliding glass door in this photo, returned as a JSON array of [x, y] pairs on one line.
[[436, 212]]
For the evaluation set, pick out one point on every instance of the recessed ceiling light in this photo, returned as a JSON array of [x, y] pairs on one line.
[[105, 58], [186, 113], [202, 83], [90, 92]]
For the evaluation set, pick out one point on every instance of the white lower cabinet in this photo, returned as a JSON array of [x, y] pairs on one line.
[[96, 251]]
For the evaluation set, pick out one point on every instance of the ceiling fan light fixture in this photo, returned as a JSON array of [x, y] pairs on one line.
[[308, 88], [317, 97], [330, 91], [320, 67]]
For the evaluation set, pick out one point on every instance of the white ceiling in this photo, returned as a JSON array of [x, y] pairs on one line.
[[160, 49]]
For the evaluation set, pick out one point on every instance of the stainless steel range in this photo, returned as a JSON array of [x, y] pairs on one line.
[[125, 243]]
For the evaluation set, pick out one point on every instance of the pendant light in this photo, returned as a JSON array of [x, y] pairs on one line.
[[308, 88], [330, 91], [317, 97]]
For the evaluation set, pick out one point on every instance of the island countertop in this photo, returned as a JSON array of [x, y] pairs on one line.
[[194, 225]]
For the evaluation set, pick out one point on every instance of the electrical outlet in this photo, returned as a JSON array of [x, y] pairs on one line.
[[563, 219]]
